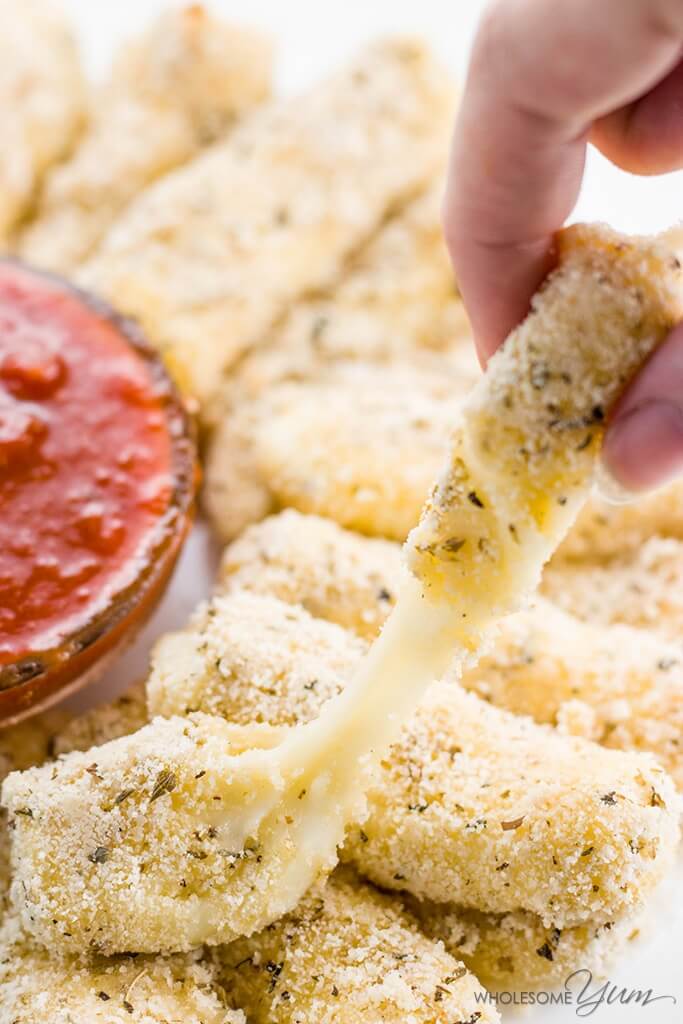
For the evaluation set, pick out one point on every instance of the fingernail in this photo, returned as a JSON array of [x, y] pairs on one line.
[[643, 448]]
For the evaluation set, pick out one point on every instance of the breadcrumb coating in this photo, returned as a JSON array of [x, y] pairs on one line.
[[208, 258], [120, 717], [252, 658], [350, 955], [468, 787], [361, 445], [333, 573], [176, 88], [524, 455], [42, 102], [149, 845], [531, 820], [619, 686], [516, 951], [644, 588], [22, 746], [395, 300], [603, 531], [35, 989]]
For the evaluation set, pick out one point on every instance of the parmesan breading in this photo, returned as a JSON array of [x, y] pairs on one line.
[[604, 531], [36, 989], [42, 102], [466, 789], [361, 445], [350, 955], [621, 687], [23, 746], [175, 89], [252, 659], [642, 588], [516, 951], [524, 456], [210, 257], [396, 300], [333, 573]]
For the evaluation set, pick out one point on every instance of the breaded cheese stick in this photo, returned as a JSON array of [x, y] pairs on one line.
[[525, 454], [349, 955], [22, 746], [581, 833], [335, 574], [42, 102], [604, 531], [251, 658], [643, 588], [36, 989], [554, 825], [173, 90], [516, 951], [291, 795], [397, 299], [208, 259], [360, 445], [619, 686]]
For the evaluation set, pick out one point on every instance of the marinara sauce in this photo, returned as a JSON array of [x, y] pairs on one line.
[[96, 467]]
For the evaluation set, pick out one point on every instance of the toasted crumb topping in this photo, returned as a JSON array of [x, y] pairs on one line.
[[349, 954]]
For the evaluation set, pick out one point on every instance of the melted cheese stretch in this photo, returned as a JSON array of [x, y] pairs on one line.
[[103, 852]]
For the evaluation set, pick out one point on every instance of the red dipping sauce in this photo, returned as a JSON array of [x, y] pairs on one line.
[[95, 465]]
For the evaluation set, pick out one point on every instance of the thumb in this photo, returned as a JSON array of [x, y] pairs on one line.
[[643, 445]]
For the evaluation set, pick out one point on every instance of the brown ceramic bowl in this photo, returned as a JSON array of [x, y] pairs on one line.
[[74, 657]]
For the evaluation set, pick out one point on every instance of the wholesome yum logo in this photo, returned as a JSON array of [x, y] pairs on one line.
[[588, 997]]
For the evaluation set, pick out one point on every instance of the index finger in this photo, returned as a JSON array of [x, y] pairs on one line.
[[541, 73]]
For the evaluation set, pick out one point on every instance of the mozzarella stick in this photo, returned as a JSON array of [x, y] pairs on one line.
[[604, 531], [643, 588], [619, 686], [287, 796], [350, 955], [516, 951], [335, 574], [580, 832], [524, 456], [42, 102], [209, 258], [361, 446], [251, 659], [36, 989], [172, 91], [396, 300]]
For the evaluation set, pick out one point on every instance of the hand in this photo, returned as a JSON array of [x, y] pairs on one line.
[[545, 79]]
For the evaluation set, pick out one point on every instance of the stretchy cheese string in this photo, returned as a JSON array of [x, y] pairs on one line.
[[95, 867]]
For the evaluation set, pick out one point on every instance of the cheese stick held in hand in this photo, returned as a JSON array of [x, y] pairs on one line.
[[104, 844]]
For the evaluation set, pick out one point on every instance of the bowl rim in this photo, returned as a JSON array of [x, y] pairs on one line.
[[46, 675]]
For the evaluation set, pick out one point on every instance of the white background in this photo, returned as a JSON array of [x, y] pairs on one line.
[[312, 37]]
